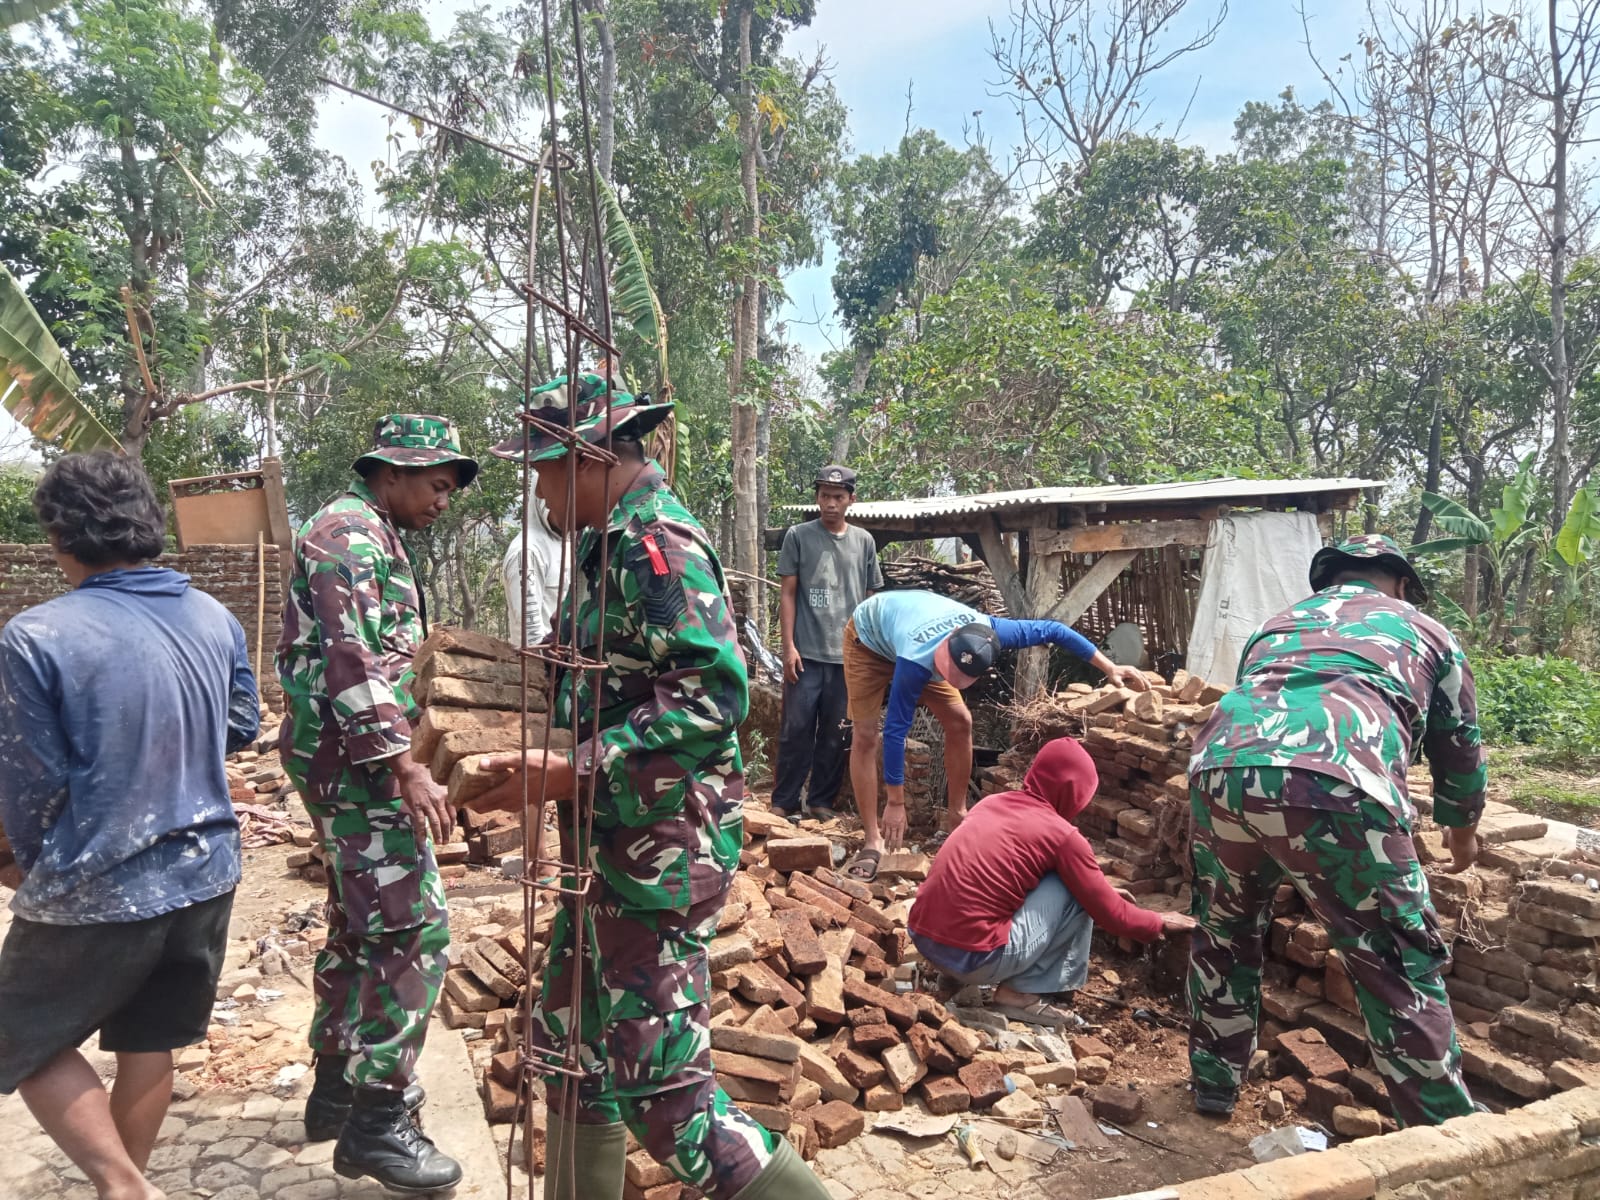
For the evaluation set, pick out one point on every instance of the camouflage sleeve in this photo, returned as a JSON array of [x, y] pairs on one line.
[[1453, 743], [346, 566], [701, 690]]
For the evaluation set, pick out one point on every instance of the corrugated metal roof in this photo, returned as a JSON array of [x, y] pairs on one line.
[[1229, 490]]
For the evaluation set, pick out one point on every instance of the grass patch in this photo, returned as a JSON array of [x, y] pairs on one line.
[[1547, 785]]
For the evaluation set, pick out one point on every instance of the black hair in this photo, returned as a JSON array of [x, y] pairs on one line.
[[628, 449], [100, 508]]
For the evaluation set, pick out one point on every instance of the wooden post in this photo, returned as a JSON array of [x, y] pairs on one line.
[[1043, 587], [261, 601]]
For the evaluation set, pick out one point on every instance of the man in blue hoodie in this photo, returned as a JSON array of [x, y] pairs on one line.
[[118, 703]]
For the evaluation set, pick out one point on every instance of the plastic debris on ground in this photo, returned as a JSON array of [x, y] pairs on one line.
[[1287, 1142]]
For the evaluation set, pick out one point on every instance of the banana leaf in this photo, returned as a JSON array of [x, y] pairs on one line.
[[1456, 518], [1515, 501], [1445, 545], [37, 384], [1575, 542], [633, 300]]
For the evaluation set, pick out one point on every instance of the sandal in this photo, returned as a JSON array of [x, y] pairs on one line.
[[1040, 1012], [863, 867], [823, 814]]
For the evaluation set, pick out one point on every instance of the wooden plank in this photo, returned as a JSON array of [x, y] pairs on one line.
[[1087, 590], [1123, 535], [1003, 566]]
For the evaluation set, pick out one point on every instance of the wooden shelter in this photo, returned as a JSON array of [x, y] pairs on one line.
[[1094, 557]]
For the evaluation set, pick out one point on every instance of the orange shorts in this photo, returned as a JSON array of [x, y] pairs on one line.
[[867, 677]]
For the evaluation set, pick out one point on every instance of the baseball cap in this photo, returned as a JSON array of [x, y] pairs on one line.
[[971, 650]]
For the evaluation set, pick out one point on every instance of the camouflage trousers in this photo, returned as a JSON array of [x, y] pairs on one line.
[[1354, 865], [378, 976], [644, 1031]]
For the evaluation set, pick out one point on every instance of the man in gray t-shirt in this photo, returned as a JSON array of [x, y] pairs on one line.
[[828, 567]]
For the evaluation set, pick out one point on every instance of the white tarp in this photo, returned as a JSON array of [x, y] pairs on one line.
[[1255, 566]]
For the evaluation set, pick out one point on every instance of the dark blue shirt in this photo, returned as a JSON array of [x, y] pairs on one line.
[[118, 703], [905, 627]]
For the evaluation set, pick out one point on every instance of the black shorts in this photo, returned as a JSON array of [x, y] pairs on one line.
[[147, 986]]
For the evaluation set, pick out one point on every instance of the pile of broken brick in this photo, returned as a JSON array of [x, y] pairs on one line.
[[1524, 923]]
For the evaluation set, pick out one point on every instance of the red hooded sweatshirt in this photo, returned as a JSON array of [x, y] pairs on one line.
[[1007, 844]]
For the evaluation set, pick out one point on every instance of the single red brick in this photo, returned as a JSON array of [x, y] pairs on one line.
[[945, 1094], [870, 1015], [963, 1042], [984, 1080], [869, 1039], [861, 1070], [1309, 1055], [1091, 1047], [836, 1123], [925, 1043], [1116, 1104]]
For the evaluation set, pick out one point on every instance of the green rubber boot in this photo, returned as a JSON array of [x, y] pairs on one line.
[[584, 1162], [786, 1177]]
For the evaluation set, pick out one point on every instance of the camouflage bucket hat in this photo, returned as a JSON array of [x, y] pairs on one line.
[[417, 440], [1370, 549], [629, 416]]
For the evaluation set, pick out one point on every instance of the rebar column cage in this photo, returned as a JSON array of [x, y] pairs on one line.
[[566, 879]]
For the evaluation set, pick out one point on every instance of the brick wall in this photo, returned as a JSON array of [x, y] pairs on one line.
[[1546, 1151], [29, 576]]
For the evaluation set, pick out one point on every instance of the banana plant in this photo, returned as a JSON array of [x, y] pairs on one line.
[[636, 310], [1500, 542], [634, 305], [1576, 553], [37, 385]]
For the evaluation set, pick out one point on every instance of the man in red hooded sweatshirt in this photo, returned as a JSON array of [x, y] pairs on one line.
[[1015, 893]]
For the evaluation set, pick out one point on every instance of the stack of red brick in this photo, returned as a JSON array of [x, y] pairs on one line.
[[1526, 940], [815, 1022]]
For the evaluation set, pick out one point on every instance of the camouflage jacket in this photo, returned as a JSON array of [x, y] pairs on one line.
[[668, 778], [351, 626], [1352, 684]]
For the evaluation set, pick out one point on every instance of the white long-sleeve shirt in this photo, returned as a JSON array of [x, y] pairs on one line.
[[544, 577]]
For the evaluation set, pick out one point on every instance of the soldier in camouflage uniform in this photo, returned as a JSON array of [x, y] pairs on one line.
[[351, 626], [1300, 776], [668, 799]]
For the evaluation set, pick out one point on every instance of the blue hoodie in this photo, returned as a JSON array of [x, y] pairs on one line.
[[118, 703]]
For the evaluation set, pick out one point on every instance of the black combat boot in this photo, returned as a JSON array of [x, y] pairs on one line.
[[328, 1105], [382, 1141]]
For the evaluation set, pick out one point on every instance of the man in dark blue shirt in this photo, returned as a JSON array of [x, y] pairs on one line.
[[118, 703], [923, 648]]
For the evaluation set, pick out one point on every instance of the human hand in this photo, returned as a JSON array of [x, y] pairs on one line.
[[425, 802], [894, 823], [792, 666], [1176, 922], [552, 768], [1129, 677], [1462, 842]]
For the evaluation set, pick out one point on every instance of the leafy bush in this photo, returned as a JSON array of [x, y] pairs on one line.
[[1541, 701]]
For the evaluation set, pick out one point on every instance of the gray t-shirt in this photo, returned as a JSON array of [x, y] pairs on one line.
[[834, 574]]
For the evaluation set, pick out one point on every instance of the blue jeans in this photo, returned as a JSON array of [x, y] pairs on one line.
[[1048, 950], [811, 738]]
